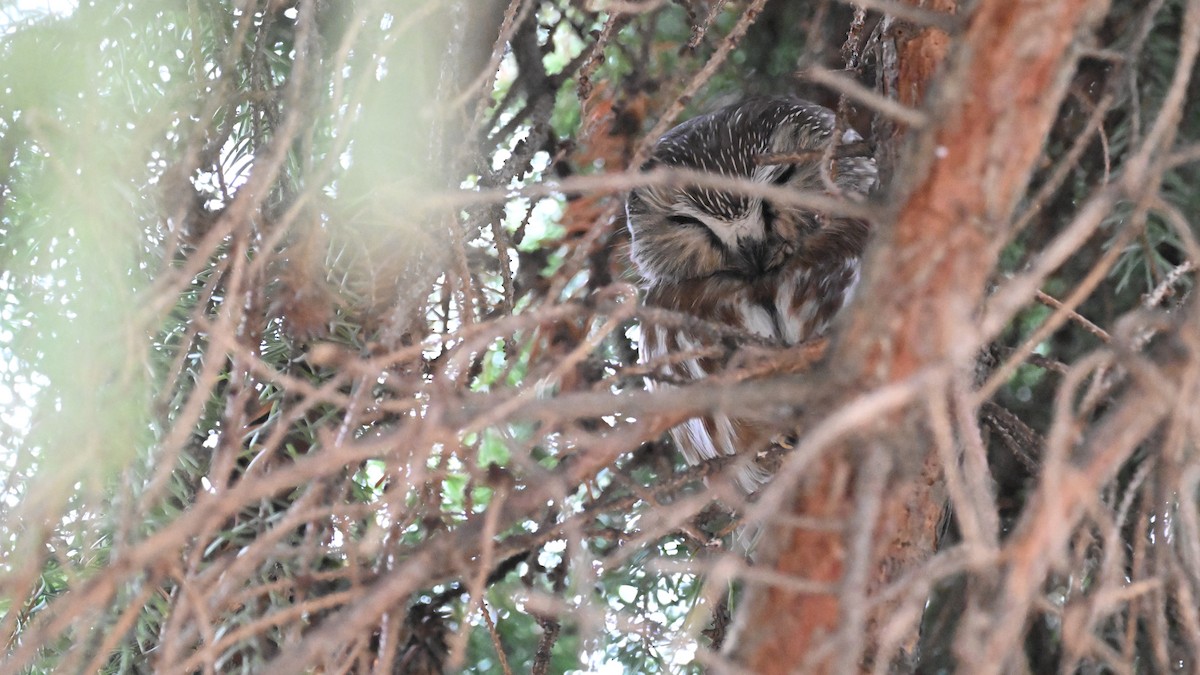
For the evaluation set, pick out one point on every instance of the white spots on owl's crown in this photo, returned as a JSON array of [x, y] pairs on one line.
[[729, 141]]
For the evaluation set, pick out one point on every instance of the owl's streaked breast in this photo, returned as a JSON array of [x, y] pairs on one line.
[[786, 308]]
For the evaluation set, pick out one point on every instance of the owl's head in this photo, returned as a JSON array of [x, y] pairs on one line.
[[681, 233]]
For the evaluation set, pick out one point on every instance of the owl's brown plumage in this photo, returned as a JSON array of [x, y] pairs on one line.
[[775, 271]]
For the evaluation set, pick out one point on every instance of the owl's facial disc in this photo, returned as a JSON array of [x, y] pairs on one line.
[[751, 236], [732, 232]]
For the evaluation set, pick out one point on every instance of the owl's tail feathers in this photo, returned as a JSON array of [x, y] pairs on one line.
[[745, 539], [750, 476]]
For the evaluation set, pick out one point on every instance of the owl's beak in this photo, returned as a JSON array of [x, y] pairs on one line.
[[764, 255]]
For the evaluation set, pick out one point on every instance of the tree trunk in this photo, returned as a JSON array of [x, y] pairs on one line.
[[925, 282]]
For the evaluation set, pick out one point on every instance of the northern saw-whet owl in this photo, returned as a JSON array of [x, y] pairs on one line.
[[772, 270]]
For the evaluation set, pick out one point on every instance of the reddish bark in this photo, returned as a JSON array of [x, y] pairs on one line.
[[787, 624], [920, 54], [992, 117]]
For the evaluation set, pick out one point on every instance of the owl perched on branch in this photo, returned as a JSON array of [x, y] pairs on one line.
[[773, 270]]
